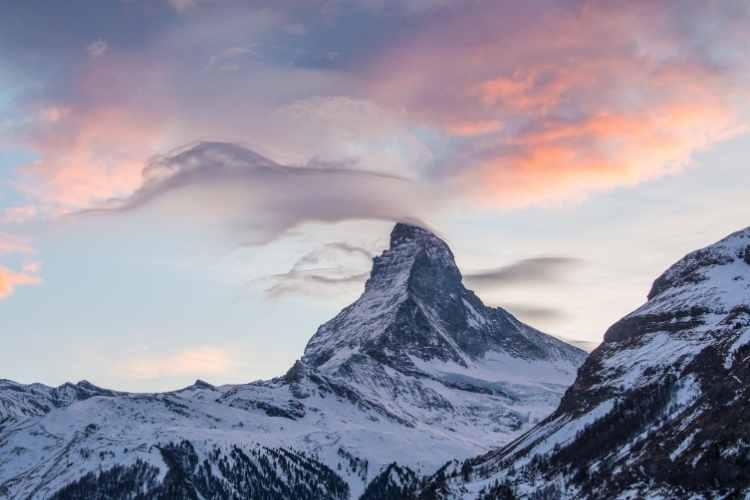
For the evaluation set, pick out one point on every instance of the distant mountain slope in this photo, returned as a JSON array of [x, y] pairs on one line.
[[18, 400], [417, 371], [660, 410]]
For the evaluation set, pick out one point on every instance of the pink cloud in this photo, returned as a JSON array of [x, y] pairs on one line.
[[99, 154], [536, 101], [93, 142], [53, 114], [472, 128], [10, 243], [590, 97], [16, 215]]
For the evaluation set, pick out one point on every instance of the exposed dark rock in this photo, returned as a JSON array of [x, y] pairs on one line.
[[635, 326], [202, 384], [416, 302], [296, 373]]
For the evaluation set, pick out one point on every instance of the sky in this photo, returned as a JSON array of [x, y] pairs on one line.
[[188, 188]]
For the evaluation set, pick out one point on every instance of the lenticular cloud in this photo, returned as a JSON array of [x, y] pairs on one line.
[[257, 199]]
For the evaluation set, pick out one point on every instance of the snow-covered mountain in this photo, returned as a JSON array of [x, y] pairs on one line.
[[17, 400], [417, 371], [660, 410]]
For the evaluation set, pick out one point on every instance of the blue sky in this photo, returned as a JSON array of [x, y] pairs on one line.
[[138, 257]]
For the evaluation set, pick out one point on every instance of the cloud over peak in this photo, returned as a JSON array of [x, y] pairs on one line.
[[256, 199], [535, 270]]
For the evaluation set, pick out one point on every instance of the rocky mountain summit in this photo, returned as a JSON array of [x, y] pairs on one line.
[[416, 309], [416, 372], [660, 410]]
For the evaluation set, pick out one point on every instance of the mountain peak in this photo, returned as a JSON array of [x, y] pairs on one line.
[[415, 307], [405, 233], [414, 251]]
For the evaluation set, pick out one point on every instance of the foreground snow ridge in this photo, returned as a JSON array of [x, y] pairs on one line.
[[415, 373]]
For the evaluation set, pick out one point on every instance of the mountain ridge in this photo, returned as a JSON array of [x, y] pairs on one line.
[[416, 370]]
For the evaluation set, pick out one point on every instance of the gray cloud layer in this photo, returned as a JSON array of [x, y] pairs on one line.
[[535, 314], [540, 271], [257, 199], [537, 270]]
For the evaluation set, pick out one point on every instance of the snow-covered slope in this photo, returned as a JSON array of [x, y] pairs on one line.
[[659, 410], [17, 400], [417, 371]]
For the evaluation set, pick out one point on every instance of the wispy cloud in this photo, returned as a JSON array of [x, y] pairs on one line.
[[549, 271], [10, 243], [18, 214], [97, 48], [256, 199], [536, 270], [181, 5], [535, 314], [29, 274], [332, 269]]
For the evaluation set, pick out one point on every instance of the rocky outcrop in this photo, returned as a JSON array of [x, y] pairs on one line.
[[415, 307]]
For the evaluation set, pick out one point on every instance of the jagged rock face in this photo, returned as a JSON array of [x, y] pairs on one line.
[[661, 408], [417, 371], [415, 306]]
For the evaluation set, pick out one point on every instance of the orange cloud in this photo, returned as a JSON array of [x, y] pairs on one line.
[[599, 152], [10, 279], [198, 361], [590, 97], [472, 128], [532, 90]]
